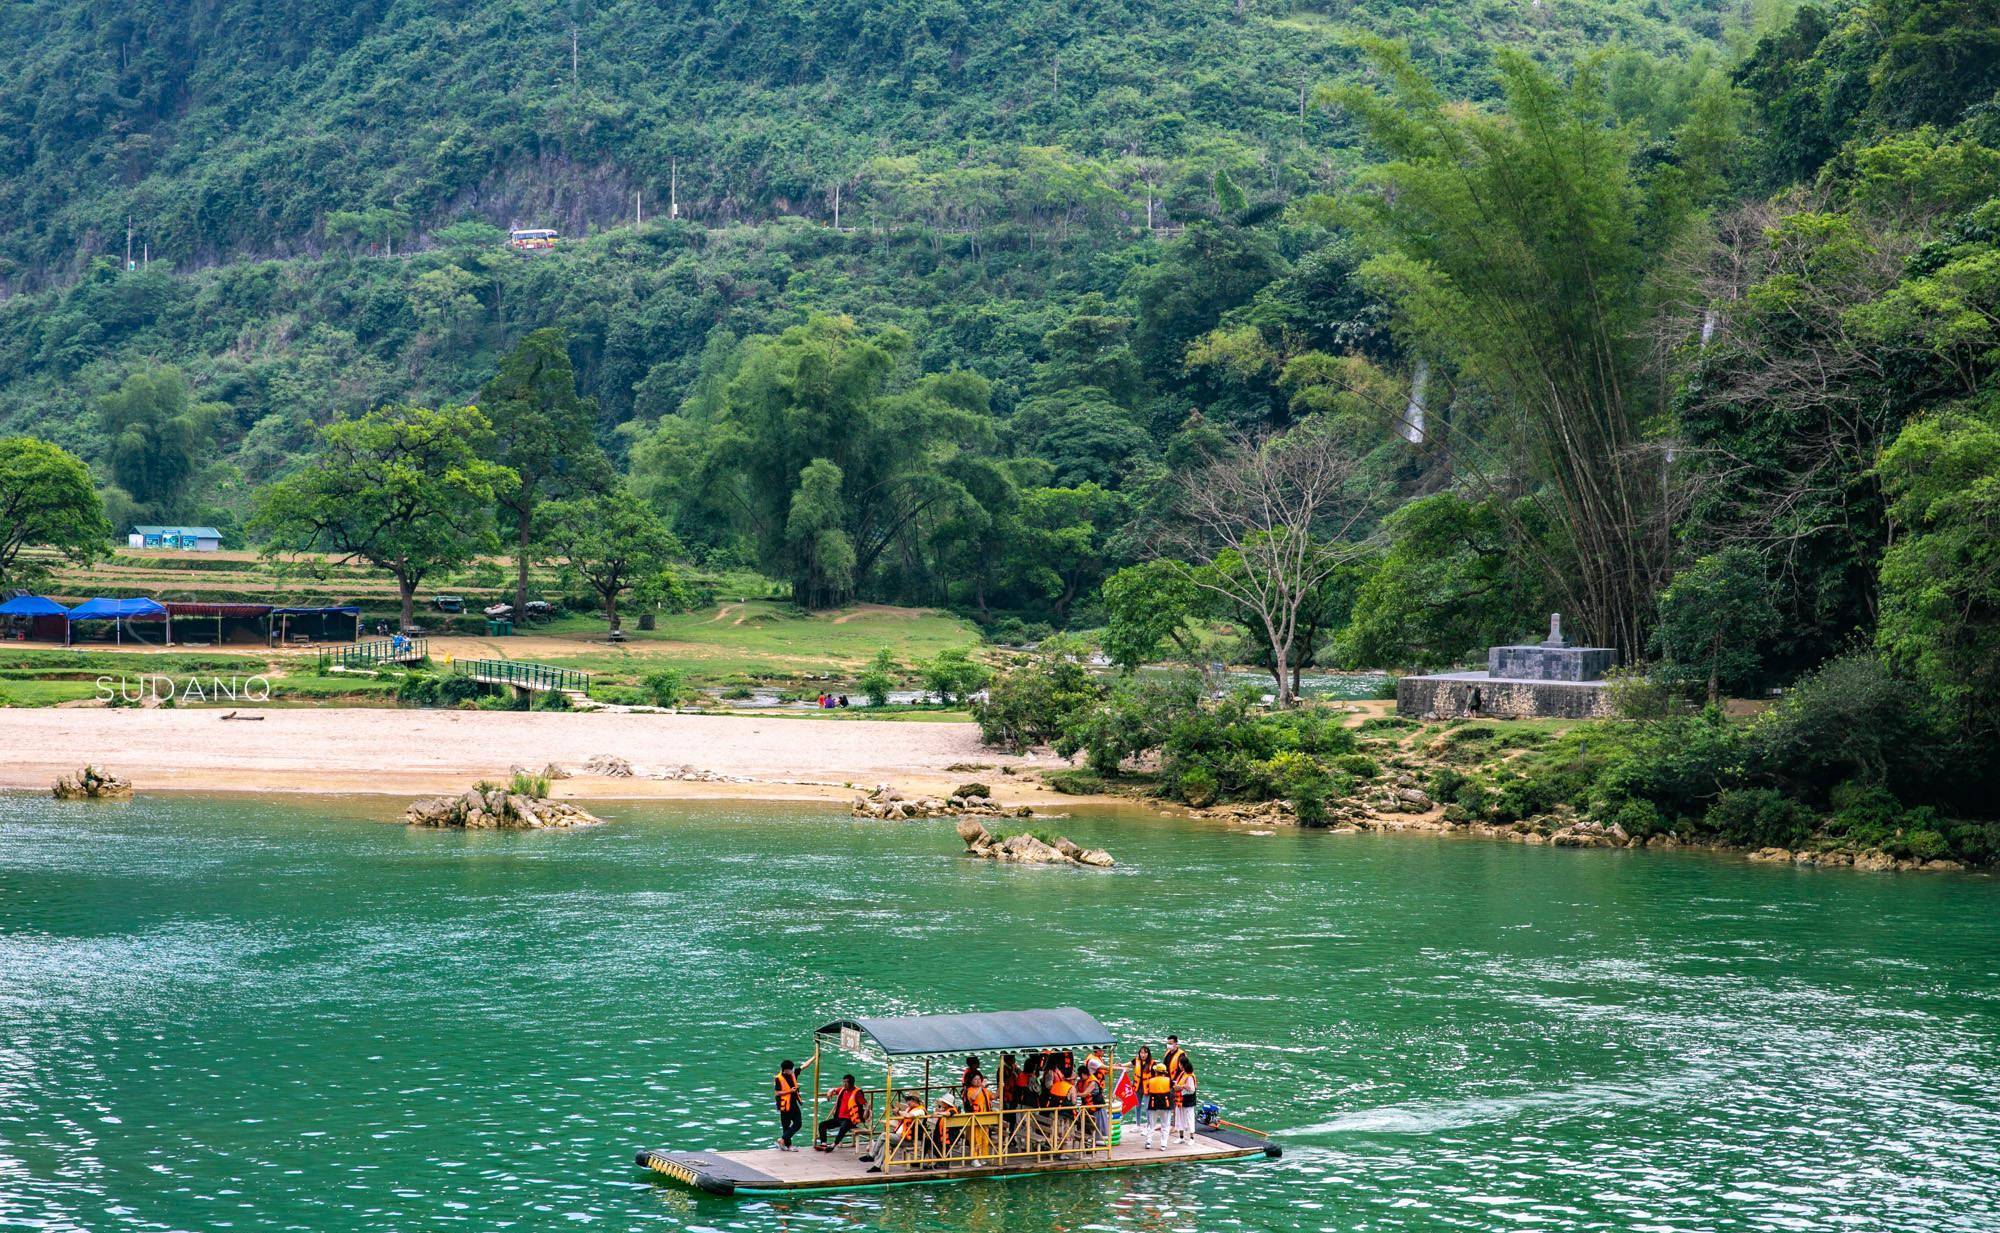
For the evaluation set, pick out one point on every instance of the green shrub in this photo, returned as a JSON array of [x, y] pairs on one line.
[[952, 674], [1639, 819], [1528, 795], [1925, 845], [528, 784], [1075, 783], [1197, 786], [1134, 718], [1444, 783], [1387, 723], [1361, 766], [666, 687], [1037, 702], [1758, 818], [437, 689]]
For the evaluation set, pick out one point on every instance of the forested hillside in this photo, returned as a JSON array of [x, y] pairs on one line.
[[1151, 320], [280, 127]]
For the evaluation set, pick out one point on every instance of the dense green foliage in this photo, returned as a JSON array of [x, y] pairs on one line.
[[1686, 329], [403, 488], [46, 501], [287, 127]]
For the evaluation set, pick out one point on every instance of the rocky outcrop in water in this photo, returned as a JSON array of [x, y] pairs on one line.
[[1028, 849], [890, 805], [91, 784], [495, 808]]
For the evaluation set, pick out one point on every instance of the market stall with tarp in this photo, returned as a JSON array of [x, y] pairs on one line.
[[325, 623], [123, 615], [213, 624], [32, 618]]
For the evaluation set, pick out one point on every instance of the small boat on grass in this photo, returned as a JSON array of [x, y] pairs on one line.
[[915, 1133]]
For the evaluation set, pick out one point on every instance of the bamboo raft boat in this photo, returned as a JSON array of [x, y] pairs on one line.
[[999, 1143]]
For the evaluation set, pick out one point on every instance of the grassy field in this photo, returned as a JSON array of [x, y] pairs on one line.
[[759, 643]]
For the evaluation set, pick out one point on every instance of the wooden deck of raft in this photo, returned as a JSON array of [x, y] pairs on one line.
[[768, 1170]]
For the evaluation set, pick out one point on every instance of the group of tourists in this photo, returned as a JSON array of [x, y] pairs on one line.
[[1055, 1102]]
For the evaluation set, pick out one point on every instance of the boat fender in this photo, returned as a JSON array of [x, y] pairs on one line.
[[1272, 1151]]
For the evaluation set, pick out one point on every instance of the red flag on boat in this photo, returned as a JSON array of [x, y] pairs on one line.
[[1126, 1091]]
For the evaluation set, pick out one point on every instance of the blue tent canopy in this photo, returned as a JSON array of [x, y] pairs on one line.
[[32, 606], [115, 609]]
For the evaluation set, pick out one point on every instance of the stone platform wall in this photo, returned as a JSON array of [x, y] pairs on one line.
[[1542, 663], [1451, 698]]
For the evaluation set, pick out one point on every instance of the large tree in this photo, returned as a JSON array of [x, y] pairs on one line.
[[157, 436], [407, 489], [543, 432], [1941, 575], [1265, 525], [828, 453], [46, 501], [1521, 247], [612, 542]]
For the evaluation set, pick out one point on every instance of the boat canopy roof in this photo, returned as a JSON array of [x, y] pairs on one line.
[[1061, 1028]]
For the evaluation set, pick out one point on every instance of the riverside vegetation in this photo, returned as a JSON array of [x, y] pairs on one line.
[[1348, 351]]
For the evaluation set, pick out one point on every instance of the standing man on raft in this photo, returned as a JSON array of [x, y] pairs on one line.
[[785, 1093]]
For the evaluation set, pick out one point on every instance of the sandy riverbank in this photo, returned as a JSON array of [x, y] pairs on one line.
[[408, 752]]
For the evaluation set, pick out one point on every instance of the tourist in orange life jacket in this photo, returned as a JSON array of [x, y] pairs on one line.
[[785, 1092], [1159, 1105], [909, 1131], [1184, 1098], [850, 1109], [965, 1076], [1090, 1095], [942, 1136], [978, 1100], [1176, 1058]]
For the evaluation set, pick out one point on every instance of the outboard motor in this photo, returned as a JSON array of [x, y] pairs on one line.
[[1207, 1115]]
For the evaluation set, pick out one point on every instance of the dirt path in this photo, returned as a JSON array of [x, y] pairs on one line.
[[415, 752]]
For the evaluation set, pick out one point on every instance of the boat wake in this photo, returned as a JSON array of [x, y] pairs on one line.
[[1424, 1117]]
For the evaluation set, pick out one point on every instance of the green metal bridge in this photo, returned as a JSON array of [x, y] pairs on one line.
[[407, 650], [537, 678]]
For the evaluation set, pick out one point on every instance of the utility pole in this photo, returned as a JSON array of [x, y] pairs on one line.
[[572, 55], [638, 207], [128, 241], [674, 189]]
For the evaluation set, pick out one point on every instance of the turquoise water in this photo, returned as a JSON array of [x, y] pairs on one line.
[[227, 1014]]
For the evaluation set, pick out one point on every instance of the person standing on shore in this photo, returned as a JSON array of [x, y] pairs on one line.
[[785, 1093]]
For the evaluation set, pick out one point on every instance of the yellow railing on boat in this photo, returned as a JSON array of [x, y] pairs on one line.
[[1004, 1136]]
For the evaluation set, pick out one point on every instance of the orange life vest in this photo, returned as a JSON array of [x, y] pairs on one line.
[[1060, 1087], [788, 1091], [978, 1100], [1176, 1062], [847, 1103], [1158, 1085]]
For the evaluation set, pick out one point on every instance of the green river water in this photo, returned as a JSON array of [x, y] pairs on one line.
[[233, 1014]]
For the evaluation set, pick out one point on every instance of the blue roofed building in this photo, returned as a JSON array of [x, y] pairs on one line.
[[185, 539]]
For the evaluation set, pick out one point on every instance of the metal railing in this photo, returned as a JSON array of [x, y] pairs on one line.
[[524, 675], [376, 651], [945, 1140]]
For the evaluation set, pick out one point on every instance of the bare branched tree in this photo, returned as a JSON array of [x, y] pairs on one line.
[[1264, 524]]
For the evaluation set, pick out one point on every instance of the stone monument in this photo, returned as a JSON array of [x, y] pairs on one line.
[[1550, 679], [1552, 659]]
